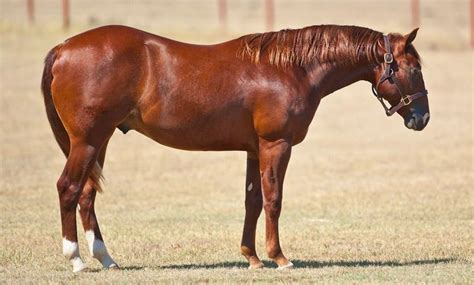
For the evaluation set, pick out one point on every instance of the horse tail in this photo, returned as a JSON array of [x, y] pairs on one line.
[[60, 133]]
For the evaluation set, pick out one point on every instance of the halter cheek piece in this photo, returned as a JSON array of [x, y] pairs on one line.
[[388, 73]]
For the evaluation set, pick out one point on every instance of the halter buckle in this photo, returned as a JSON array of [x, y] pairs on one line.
[[388, 57], [406, 100]]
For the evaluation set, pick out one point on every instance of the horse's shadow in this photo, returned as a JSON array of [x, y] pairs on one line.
[[310, 264]]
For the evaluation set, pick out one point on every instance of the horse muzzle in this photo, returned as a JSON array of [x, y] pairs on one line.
[[417, 122]]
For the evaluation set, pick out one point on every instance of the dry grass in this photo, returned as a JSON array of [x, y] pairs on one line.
[[366, 200]]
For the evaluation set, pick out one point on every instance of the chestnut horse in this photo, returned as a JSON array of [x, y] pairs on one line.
[[257, 94]]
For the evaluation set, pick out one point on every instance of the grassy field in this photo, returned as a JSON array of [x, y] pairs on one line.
[[366, 200]]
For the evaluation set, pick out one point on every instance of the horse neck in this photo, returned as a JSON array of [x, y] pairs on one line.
[[329, 77]]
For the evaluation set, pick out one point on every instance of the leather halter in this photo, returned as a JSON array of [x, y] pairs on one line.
[[388, 73]]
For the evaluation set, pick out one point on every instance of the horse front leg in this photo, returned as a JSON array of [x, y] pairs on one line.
[[274, 157], [253, 208]]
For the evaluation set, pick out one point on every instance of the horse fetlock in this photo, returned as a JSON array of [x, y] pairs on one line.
[[278, 257], [71, 252], [274, 252], [99, 251], [246, 251], [251, 257], [256, 263], [70, 248]]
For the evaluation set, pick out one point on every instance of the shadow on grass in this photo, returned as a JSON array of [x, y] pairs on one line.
[[367, 263], [127, 268], [313, 264], [132, 268]]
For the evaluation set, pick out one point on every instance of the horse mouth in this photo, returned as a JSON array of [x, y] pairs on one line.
[[417, 122]]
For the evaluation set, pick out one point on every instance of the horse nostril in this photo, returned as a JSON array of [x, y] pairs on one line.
[[411, 123], [420, 121]]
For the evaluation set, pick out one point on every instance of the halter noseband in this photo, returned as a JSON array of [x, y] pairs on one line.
[[388, 73]]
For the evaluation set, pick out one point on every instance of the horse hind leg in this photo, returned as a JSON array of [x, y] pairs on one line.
[[80, 162], [90, 224]]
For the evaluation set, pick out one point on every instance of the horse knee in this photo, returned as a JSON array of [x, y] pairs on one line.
[[273, 208], [62, 184]]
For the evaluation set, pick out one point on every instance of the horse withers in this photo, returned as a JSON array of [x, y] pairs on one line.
[[257, 94]]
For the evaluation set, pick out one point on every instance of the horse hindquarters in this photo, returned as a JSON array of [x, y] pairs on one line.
[[81, 148]]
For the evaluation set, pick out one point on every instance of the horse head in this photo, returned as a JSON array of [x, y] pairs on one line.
[[399, 81]]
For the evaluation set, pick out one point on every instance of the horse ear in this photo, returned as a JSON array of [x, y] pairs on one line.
[[410, 37]]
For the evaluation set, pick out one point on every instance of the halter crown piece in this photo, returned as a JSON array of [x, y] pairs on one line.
[[388, 73]]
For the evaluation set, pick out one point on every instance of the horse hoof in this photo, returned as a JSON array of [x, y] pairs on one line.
[[256, 266], [81, 269], [79, 266], [287, 266], [113, 267]]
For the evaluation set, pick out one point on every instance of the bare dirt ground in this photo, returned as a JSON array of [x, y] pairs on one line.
[[366, 200]]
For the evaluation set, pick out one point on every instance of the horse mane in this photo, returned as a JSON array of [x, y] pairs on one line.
[[346, 45]]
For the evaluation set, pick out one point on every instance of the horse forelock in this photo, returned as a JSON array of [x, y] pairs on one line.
[[346, 45]]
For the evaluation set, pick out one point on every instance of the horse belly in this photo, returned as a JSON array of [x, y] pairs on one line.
[[229, 130]]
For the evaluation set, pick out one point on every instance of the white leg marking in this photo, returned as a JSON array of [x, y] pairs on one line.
[[250, 187], [71, 251], [98, 250]]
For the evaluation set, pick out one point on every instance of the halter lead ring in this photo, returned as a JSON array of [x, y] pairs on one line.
[[388, 73]]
